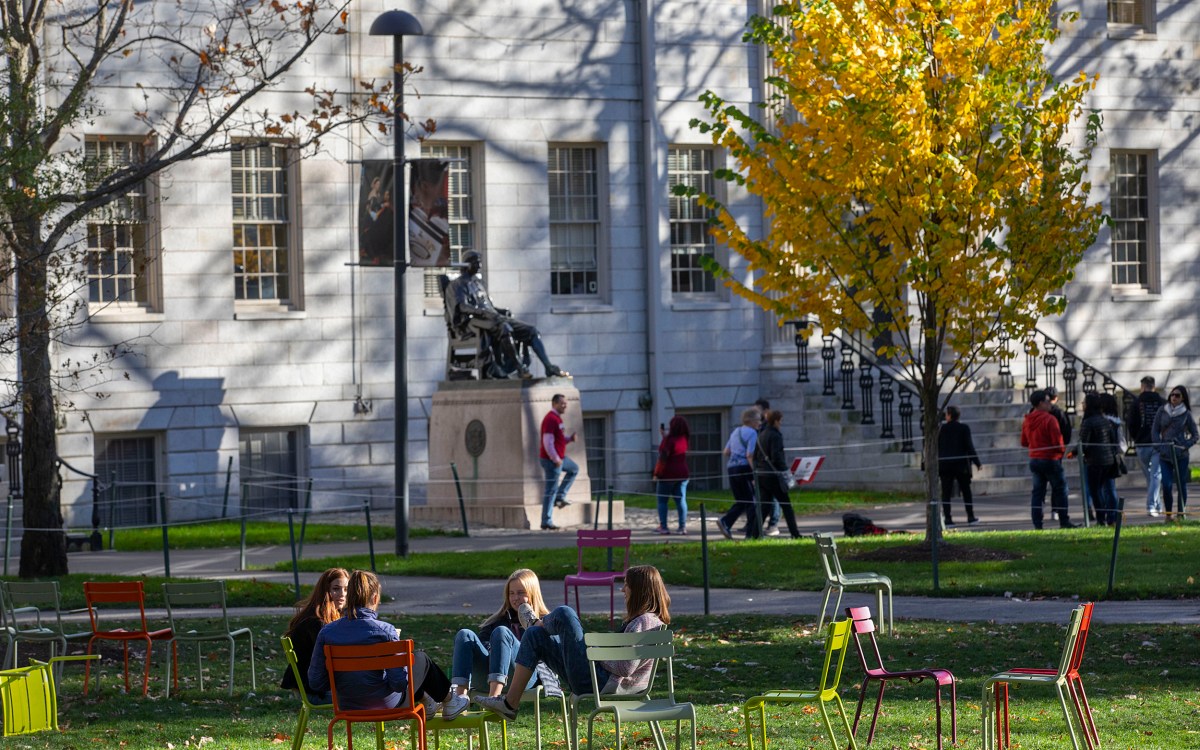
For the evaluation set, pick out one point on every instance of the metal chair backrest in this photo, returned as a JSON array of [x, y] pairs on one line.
[[1085, 626], [827, 548], [118, 592], [209, 595], [1068, 652], [368, 658], [603, 539], [289, 653], [837, 642], [655, 644], [36, 598], [864, 628], [27, 696]]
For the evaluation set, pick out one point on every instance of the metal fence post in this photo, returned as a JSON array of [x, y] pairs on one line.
[[462, 507], [704, 552], [291, 515], [162, 520], [370, 533]]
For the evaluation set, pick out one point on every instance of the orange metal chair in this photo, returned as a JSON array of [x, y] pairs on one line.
[[129, 593], [602, 539], [366, 658], [872, 664], [1083, 711]]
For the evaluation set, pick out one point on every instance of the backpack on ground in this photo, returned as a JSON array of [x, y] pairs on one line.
[[856, 524]]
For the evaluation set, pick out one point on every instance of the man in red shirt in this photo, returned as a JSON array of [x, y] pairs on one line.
[[1041, 434], [552, 454]]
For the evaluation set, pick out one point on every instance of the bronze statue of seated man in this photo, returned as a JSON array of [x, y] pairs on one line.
[[474, 311]]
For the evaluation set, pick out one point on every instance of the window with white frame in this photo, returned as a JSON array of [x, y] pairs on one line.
[[596, 442], [575, 226], [464, 225], [264, 232], [270, 469], [1133, 209], [121, 271], [706, 465], [1131, 13], [127, 465], [691, 240]]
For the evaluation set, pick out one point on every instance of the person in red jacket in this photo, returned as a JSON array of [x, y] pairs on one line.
[[671, 471], [552, 454], [1041, 434]]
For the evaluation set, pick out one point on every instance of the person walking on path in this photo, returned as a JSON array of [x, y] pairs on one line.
[[739, 455], [552, 455], [1140, 420], [770, 463], [1175, 433], [772, 529], [956, 453], [1098, 446], [1041, 434], [671, 471]]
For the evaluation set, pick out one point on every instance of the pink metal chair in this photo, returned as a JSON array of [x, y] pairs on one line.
[[864, 630], [603, 539]]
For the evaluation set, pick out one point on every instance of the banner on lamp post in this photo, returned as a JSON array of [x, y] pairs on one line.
[[428, 213], [376, 213]]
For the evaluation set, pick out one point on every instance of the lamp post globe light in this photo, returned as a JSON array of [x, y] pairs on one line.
[[398, 24]]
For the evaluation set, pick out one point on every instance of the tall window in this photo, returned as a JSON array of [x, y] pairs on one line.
[[463, 224], [127, 465], [690, 236], [270, 469], [1130, 12], [118, 235], [574, 221], [595, 439], [706, 466], [262, 229], [1133, 214]]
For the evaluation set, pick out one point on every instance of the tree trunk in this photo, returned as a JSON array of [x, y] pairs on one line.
[[43, 544], [930, 424]]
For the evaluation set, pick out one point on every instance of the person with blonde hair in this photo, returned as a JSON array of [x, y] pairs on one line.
[[557, 640], [377, 689], [494, 647], [322, 606]]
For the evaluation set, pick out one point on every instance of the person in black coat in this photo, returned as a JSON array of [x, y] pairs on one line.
[[956, 453]]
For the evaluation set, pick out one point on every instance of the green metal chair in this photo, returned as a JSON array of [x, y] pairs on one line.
[[837, 580], [995, 691], [651, 644], [32, 613], [28, 696], [471, 720], [837, 643], [306, 705], [210, 596], [535, 695]]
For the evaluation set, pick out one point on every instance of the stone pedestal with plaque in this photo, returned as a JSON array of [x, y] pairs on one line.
[[489, 430]]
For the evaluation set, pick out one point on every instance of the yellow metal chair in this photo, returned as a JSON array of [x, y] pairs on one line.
[[837, 643], [28, 696], [306, 705]]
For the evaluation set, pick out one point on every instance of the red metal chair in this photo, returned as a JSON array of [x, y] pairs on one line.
[[864, 629], [1074, 685], [603, 539], [123, 592], [366, 658]]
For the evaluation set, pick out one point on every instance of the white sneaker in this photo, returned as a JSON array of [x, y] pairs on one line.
[[431, 706], [455, 706], [526, 616], [772, 530], [1154, 513]]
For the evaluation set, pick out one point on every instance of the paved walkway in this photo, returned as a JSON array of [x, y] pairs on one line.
[[424, 595]]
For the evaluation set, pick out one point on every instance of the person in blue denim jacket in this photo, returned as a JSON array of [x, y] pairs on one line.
[[376, 689]]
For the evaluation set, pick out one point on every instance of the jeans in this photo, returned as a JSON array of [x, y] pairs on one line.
[[677, 489], [1048, 471], [741, 482], [566, 655], [1152, 469], [472, 656], [1102, 492], [1174, 472], [554, 490]]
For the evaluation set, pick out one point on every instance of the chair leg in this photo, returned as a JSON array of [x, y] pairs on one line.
[[1062, 700], [824, 604], [199, 667], [879, 609], [875, 716], [232, 654], [862, 694], [146, 671], [828, 724], [985, 718], [954, 712], [1086, 718], [167, 681], [301, 726], [845, 721], [937, 710], [253, 676]]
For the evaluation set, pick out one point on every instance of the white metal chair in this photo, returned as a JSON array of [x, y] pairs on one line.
[[837, 580]]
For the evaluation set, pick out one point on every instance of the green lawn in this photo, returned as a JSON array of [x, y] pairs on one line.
[[1154, 561], [1141, 681], [214, 534]]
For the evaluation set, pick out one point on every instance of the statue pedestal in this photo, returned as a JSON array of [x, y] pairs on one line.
[[490, 430]]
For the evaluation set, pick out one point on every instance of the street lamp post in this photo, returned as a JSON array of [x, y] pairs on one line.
[[398, 24]]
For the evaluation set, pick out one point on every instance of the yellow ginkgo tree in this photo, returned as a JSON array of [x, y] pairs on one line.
[[923, 177]]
